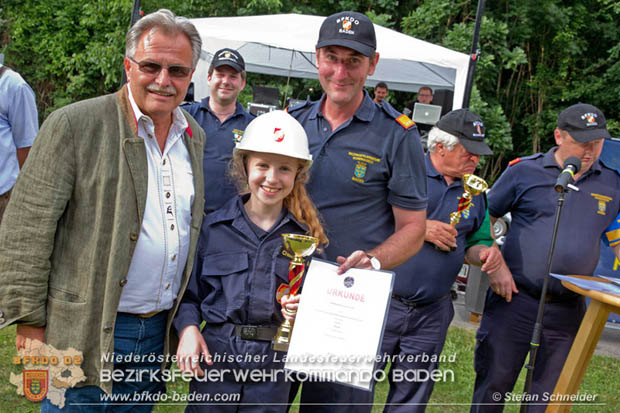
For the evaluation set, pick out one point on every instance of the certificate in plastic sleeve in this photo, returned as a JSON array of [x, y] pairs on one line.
[[340, 323]]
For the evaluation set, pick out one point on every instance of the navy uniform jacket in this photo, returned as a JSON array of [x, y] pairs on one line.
[[220, 142], [236, 273], [431, 271], [363, 168], [526, 190]]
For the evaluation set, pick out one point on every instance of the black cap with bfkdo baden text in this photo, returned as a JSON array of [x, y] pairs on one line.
[[583, 122], [348, 29]]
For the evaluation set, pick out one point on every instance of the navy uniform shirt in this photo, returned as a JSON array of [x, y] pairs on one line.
[[431, 272], [363, 168], [219, 145], [526, 190], [237, 272]]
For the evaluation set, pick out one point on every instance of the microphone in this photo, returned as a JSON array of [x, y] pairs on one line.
[[572, 165]]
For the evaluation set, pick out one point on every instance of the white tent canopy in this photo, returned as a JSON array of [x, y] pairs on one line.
[[284, 45]]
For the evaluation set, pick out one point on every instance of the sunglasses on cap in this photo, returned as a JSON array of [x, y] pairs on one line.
[[152, 68]]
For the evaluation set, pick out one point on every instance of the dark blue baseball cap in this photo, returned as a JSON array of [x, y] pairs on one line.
[[348, 29]]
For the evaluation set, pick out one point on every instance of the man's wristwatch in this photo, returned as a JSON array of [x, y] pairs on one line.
[[374, 261]]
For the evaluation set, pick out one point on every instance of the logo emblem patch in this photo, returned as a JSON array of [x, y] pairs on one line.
[[278, 134], [360, 170], [237, 135], [602, 203], [590, 119], [35, 384]]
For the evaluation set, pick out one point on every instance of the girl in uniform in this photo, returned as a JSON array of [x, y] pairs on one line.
[[240, 265]]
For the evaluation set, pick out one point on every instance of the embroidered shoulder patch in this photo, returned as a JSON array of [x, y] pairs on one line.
[[405, 121]]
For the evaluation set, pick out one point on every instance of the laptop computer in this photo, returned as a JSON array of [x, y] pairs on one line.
[[426, 114]]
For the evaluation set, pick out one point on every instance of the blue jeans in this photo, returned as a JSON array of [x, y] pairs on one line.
[[132, 336]]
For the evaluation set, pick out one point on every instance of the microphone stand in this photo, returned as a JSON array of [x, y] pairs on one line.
[[535, 341]]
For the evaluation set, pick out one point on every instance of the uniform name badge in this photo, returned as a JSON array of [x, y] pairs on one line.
[[340, 324]]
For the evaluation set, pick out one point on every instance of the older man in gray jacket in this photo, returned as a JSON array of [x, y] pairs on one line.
[[97, 242]]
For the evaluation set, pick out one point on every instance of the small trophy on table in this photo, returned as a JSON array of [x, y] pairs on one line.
[[473, 185], [297, 247]]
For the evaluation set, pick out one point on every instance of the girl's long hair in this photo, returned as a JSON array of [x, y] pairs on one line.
[[297, 202]]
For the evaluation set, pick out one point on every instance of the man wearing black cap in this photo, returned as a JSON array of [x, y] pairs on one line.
[[526, 190], [368, 176], [421, 308], [224, 120]]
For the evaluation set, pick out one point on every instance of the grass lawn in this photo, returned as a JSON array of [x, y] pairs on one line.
[[602, 380]]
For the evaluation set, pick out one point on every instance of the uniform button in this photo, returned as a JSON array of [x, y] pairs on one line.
[[167, 194], [174, 257], [324, 129], [133, 236], [150, 136], [123, 283], [171, 227], [107, 329], [164, 161], [167, 285]]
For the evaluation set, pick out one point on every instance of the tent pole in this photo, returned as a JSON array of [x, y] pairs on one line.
[[474, 55], [288, 78]]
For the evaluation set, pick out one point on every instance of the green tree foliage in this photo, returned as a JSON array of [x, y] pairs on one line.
[[537, 56], [67, 50]]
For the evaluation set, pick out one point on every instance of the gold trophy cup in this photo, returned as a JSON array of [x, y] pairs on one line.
[[297, 247], [473, 185]]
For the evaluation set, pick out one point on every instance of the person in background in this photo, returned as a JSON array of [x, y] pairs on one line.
[[421, 308], [381, 92], [425, 95], [19, 124], [526, 190], [98, 240], [223, 120]]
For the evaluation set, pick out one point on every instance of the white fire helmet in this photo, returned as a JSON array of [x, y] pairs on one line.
[[276, 132]]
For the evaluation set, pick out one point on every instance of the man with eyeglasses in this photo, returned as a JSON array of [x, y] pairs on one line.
[[98, 239], [368, 178], [223, 120], [425, 95]]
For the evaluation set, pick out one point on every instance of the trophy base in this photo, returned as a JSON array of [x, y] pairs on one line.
[[283, 336]]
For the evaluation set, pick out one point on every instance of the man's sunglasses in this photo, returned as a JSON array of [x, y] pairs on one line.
[[152, 68]]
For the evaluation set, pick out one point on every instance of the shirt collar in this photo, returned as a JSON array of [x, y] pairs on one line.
[[430, 168], [232, 210], [179, 123], [431, 172], [365, 112], [204, 104]]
